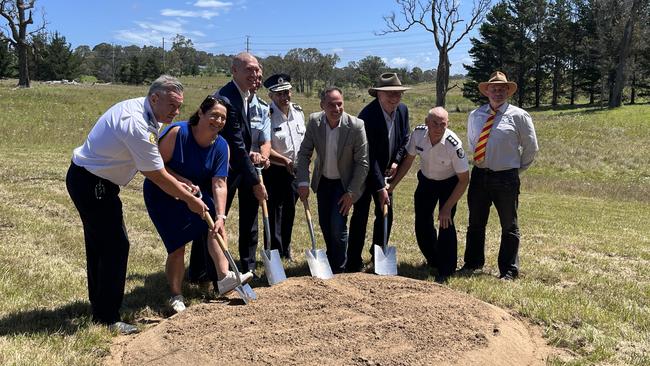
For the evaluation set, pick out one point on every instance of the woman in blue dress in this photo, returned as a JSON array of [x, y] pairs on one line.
[[197, 156]]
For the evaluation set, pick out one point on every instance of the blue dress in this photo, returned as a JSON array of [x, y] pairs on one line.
[[176, 224]]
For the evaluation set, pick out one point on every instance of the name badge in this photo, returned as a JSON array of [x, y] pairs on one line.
[[419, 148], [277, 129]]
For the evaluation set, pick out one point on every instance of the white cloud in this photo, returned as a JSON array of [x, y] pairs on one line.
[[152, 33], [165, 27], [205, 14], [212, 4], [197, 33], [337, 50], [399, 62]]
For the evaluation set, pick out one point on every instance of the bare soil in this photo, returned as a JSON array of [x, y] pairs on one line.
[[353, 319]]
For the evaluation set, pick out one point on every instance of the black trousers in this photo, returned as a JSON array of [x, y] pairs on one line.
[[332, 222], [500, 188], [439, 249], [283, 196], [358, 224], [107, 244]]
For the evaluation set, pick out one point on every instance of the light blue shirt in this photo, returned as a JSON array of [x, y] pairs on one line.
[[260, 123]]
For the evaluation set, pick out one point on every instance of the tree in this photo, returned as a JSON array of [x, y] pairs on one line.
[[444, 17], [56, 60], [18, 14], [370, 67], [616, 97], [6, 57]]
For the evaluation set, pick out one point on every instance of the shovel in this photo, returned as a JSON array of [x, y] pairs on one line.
[[319, 266], [244, 290], [271, 258], [385, 256]]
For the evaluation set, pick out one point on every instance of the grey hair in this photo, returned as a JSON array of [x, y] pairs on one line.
[[165, 83], [329, 89], [241, 58]]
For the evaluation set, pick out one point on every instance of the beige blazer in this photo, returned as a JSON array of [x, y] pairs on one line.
[[352, 153]]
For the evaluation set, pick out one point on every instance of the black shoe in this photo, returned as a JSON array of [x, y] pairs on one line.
[[470, 271], [441, 280], [508, 277]]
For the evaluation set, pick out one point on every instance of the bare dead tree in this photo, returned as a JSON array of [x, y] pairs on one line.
[[18, 14], [440, 18]]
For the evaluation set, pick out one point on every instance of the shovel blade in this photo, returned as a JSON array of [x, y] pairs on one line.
[[319, 266], [385, 261], [246, 292], [273, 266]]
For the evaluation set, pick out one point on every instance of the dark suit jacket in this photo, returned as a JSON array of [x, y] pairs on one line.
[[378, 155], [237, 131]]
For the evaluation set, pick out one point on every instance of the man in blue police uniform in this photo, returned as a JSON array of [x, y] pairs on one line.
[[386, 121], [288, 131], [443, 178], [504, 143], [260, 127]]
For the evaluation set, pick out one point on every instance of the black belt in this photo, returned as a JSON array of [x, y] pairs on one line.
[[490, 171]]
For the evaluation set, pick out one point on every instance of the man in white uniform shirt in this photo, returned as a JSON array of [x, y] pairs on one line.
[[504, 143], [123, 141], [287, 133], [443, 178]]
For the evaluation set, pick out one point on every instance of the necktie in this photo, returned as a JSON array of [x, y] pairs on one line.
[[479, 151]]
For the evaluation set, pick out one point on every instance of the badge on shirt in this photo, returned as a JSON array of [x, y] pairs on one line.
[[277, 129], [153, 138], [461, 153]]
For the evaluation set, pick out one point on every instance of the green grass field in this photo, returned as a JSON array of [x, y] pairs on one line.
[[585, 254]]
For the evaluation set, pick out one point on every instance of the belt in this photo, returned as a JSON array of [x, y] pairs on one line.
[[490, 171]]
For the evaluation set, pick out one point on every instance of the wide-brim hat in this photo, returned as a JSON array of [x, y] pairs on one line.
[[498, 77], [387, 82], [278, 82]]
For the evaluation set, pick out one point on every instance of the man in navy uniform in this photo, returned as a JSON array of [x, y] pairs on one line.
[[287, 133], [386, 122]]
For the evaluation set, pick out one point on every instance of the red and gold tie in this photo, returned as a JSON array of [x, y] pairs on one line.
[[479, 151]]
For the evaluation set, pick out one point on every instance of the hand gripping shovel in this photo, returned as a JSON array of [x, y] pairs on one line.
[[271, 258], [319, 266], [385, 256], [244, 290]]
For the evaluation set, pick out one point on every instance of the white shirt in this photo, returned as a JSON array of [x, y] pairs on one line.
[[390, 127], [244, 97], [330, 164], [123, 141], [287, 132], [512, 142], [442, 160]]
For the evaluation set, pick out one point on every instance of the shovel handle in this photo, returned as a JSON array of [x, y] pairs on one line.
[[385, 209], [305, 204], [385, 226], [222, 243]]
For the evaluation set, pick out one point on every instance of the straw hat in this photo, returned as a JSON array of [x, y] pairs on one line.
[[387, 82], [498, 77]]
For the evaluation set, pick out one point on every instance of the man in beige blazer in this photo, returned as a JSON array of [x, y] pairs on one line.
[[340, 170]]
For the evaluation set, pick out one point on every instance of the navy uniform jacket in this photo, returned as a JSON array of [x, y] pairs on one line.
[[378, 155], [237, 132]]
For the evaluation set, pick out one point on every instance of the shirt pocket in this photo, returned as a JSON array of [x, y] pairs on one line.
[[505, 130]]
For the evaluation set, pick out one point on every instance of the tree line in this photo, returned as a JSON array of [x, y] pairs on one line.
[[561, 50], [51, 57]]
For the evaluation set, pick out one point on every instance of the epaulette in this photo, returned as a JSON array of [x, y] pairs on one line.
[[262, 102], [421, 127], [452, 140], [296, 107]]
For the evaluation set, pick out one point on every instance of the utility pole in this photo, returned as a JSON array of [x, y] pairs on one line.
[[163, 56], [113, 62], [248, 43]]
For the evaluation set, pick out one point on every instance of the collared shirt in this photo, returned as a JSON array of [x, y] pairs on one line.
[[442, 160], [244, 96], [330, 164], [260, 123], [287, 131], [512, 142], [123, 141], [390, 127]]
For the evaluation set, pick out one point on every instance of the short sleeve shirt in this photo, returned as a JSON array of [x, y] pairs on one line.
[[442, 160], [123, 141], [260, 123], [287, 132]]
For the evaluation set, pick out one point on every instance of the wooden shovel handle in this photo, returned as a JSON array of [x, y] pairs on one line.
[[222, 243], [305, 203], [385, 209]]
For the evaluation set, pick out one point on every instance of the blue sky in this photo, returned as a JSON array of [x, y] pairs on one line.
[[347, 28]]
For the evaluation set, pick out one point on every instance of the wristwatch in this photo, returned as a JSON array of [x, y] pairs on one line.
[[222, 217]]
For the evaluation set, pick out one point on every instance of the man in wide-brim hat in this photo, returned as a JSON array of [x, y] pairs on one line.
[[386, 121], [504, 143]]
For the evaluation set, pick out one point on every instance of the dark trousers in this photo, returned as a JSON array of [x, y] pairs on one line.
[[281, 189], [358, 224], [500, 188], [107, 244], [201, 266], [332, 222], [439, 249]]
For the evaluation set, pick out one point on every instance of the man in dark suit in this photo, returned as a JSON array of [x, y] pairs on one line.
[[246, 72], [386, 122], [340, 170]]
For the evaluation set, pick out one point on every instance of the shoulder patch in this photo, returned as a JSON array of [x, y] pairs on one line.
[[460, 153], [452, 140], [296, 107], [421, 127], [153, 138]]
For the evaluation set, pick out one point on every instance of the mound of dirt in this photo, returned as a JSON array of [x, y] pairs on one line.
[[353, 319]]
